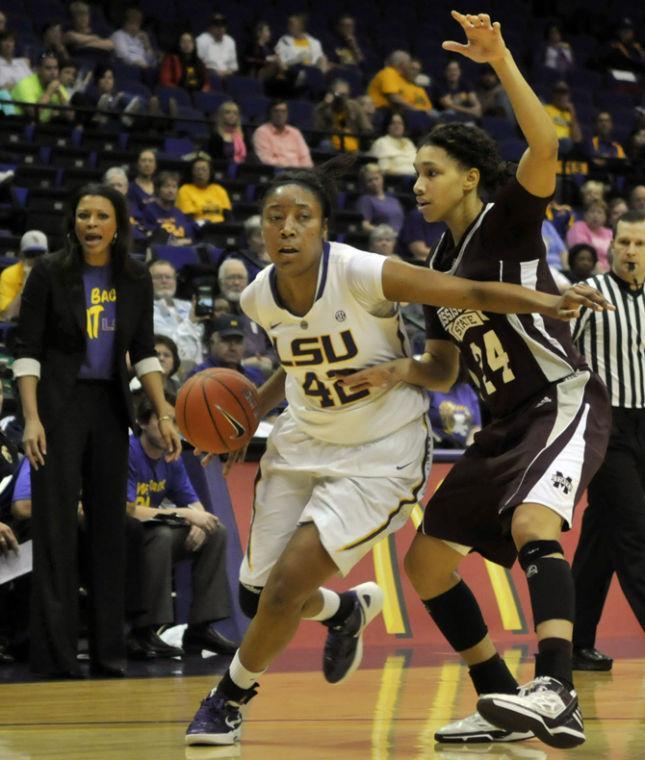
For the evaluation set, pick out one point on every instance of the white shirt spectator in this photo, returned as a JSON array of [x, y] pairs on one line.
[[171, 317], [11, 72], [305, 50], [217, 56], [130, 49]]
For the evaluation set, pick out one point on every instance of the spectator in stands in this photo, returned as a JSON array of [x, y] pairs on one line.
[[262, 62], [166, 222], [375, 205], [117, 178], [52, 39], [14, 277], [102, 93], [168, 355], [12, 69], [416, 95], [456, 415], [492, 97], [132, 44], [194, 534], [217, 49], [558, 53], [183, 67], [637, 199], [636, 150], [298, 48], [394, 151], [202, 199], [625, 51], [253, 254], [561, 216], [592, 190], [602, 145], [393, 87], [592, 229], [582, 260], [417, 75], [174, 317], [563, 114], [455, 94], [369, 109], [556, 250], [232, 278], [141, 191], [277, 143], [226, 348], [616, 208], [345, 49], [417, 237], [227, 138], [342, 118], [383, 240], [43, 87], [81, 36]]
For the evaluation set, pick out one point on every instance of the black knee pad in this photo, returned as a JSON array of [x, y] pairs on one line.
[[533, 550], [249, 597], [457, 615]]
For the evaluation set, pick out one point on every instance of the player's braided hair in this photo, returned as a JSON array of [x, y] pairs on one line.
[[322, 181], [470, 146]]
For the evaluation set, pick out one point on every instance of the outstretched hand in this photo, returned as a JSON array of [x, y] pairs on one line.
[[485, 43], [570, 302]]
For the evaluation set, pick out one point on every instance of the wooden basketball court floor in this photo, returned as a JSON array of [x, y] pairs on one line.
[[389, 709]]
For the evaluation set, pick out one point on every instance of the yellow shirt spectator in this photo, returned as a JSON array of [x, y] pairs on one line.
[[389, 81], [204, 203], [561, 121], [12, 279]]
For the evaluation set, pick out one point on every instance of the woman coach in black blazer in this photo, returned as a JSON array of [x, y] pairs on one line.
[[83, 309]]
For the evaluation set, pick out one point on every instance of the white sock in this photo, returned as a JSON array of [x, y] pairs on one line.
[[331, 605], [240, 675]]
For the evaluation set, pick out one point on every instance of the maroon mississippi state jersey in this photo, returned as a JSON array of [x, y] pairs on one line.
[[510, 357]]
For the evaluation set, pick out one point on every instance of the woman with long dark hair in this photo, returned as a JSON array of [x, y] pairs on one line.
[[83, 310]]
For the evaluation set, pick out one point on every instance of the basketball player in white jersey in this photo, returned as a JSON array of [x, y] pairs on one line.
[[341, 470]]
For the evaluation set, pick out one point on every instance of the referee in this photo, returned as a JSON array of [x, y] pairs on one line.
[[612, 539]]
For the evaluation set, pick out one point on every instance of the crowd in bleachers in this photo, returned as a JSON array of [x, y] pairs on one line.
[[188, 111]]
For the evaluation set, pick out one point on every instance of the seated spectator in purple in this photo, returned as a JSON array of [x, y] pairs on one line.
[[602, 145], [558, 53], [298, 48], [217, 49], [455, 94], [582, 260], [195, 534], [226, 140], [617, 207], [417, 237], [254, 253], [132, 44], [593, 230], [383, 240], [345, 49], [374, 204], [455, 416], [183, 67], [342, 118], [561, 216], [12, 69], [492, 96], [52, 39], [81, 36], [117, 178], [226, 349], [167, 224], [175, 317], [394, 151], [277, 143], [141, 191], [556, 250], [625, 52], [232, 278]]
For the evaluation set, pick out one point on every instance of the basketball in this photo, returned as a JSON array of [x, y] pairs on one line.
[[217, 410]]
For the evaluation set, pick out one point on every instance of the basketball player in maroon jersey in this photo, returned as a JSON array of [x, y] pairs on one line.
[[516, 486]]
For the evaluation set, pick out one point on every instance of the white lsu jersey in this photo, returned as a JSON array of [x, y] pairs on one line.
[[350, 326]]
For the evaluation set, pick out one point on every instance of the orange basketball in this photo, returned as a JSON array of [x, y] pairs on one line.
[[217, 410]]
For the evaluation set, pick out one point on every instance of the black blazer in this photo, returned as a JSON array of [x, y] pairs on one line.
[[52, 330]]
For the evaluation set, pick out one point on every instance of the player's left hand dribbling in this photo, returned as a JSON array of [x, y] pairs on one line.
[[574, 298]]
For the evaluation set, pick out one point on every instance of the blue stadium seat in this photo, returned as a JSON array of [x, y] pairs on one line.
[[301, 113], [255, 108], [499, 128], [181, 96], [208, 102], [178, 146], [239, 85]]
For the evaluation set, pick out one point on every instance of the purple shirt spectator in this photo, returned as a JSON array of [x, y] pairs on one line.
[[454, 414], [386, 210], [416, 230], [22, 485], [100, 302], [150, 481], [173, 221]]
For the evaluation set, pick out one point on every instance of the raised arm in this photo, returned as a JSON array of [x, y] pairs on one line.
[[485, 44], [404, 282]]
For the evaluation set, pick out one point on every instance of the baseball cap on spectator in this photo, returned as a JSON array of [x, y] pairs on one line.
[[229, 326], [33, 243]]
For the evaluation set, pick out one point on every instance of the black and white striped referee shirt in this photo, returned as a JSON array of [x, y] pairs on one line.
[[613, 342]]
